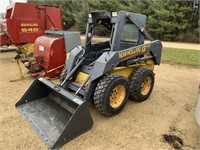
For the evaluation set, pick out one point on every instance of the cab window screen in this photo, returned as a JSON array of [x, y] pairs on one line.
[[130, 33]]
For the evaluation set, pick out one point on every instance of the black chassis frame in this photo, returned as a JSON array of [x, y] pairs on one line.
[[108, 60]]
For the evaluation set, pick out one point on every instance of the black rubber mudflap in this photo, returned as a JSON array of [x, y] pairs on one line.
[[56, 115]]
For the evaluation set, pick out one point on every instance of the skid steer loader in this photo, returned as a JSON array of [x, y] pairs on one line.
[[107, 73]]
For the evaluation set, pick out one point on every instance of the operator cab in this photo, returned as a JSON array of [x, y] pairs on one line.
[[123, 33]]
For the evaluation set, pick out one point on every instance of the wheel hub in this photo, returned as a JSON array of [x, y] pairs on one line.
[[117, 96], [146, 85]]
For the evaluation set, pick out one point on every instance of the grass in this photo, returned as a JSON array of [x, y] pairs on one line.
[[181, 56]]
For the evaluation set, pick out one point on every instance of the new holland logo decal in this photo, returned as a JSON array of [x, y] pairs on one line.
[[134, 51]]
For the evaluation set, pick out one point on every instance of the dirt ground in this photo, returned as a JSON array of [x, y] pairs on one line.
[[140, 126], [181, 45]]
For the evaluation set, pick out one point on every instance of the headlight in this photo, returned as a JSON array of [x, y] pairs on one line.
[[89, 15], [114, 14]]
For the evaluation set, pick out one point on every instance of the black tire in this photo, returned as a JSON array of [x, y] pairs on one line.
[[63, 74], [141, 84], [106, 94]]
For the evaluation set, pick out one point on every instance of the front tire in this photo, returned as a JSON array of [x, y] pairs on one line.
[[111, 94], [141, 84]]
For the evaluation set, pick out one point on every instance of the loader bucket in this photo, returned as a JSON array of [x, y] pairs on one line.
[[56, 115]]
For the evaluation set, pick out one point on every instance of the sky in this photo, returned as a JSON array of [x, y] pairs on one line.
[[5, 3]]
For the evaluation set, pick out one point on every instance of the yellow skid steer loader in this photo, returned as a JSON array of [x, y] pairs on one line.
[[107, 73]]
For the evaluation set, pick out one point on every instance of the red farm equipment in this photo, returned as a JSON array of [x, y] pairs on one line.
[[50, 53], [24, 22], [37, 32]]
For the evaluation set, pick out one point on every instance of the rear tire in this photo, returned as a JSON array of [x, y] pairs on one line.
[[111, 94], [141, 84]]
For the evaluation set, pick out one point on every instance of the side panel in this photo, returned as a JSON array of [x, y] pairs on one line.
[[52, 50], [74, 57], [24, 31], [50, 17], [72, 39], [27, 21], [109, 60], [4, 39], [22, 22]]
